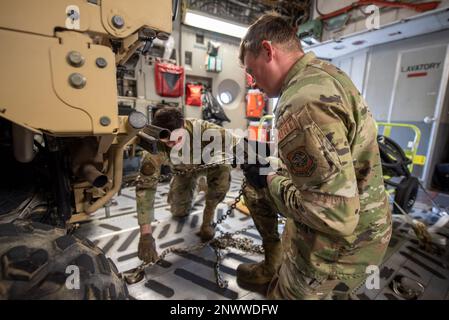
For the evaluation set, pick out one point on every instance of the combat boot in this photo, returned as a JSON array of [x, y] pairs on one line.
[[262, 272], [207, 231]]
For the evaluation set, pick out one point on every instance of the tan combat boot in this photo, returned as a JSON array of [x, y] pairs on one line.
[[207, 232], [262, 272]]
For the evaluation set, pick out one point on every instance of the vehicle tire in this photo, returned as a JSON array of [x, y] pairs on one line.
[[38, 261], [406, 194]]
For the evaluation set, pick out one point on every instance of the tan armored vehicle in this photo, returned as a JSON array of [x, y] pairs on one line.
[[61, 138]]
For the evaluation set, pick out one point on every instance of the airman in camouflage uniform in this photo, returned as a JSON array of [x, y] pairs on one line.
[[182, 187], [331, 191]]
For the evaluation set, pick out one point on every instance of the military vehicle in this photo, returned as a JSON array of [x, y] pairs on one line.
[[62, 139]]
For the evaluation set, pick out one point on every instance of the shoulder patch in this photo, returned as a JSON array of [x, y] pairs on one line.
[[288, 126], [302, 163]]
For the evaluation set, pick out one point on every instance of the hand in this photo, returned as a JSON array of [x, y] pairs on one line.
[[147, 248], [270, 177], [253, 176]]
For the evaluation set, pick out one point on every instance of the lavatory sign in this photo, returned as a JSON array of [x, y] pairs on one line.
[[420, 70]]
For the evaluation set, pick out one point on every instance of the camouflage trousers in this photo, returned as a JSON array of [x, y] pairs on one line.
[[309, 288], [183, 187], [288, 283]]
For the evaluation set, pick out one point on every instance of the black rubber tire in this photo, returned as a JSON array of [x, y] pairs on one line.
[[406, 193], [33, 262]]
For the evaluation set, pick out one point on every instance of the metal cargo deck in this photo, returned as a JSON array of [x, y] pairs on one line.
[[191, 276]]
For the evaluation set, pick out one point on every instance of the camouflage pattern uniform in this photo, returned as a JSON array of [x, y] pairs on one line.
[[182, 187], [332, 191]]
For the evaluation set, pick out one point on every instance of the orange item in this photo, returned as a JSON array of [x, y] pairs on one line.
[[255, 104], [253, 133], [193, 94]]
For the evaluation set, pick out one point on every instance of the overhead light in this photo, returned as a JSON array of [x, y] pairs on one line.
[[206, 22], [339, 47], [309, 41], [358, 42]]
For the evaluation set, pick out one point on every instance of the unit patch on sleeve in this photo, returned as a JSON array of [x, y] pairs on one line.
[[302, 164]]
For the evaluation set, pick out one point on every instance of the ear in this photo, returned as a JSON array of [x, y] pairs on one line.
[[268, 50]]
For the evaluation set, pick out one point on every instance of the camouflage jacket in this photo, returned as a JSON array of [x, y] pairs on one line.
[[333, 195], [190, 158]]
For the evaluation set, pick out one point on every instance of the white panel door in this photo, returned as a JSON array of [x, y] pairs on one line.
[[415, 94], [354, 67]]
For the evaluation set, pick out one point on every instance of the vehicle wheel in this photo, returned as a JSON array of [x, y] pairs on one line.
[[406, 194], [38, 261]]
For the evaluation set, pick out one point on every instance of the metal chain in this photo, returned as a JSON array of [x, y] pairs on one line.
[[225, 240], [221, 283], [232, 206], [136, 275], [184, 172]]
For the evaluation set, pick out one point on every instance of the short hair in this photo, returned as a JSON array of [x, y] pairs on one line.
[[170, 118], [271, 27]]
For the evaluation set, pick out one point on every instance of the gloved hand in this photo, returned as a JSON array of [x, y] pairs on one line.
[[253, 176], [147, 248]]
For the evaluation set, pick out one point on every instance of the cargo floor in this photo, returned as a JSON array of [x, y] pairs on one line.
[[191, 276]]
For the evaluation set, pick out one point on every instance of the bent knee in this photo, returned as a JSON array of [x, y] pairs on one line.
[[180, 211]]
